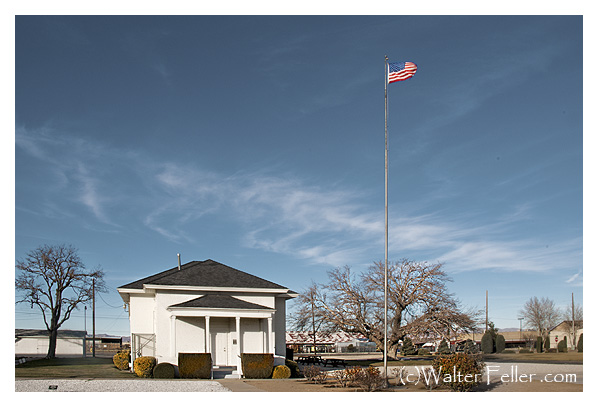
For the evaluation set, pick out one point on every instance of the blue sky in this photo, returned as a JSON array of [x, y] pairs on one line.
[[258, 141]]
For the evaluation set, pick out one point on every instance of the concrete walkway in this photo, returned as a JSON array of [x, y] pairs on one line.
[[238, 385]]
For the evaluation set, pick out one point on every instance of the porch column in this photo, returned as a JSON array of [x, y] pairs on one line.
[[239, 347], [270, 335], [207, 345], [173, 339]]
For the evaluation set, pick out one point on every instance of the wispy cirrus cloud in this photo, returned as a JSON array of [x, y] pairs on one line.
[[280, 213]]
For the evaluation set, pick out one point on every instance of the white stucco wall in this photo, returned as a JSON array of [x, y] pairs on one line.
[[279, 323], [142, 313], [149, 314], [253, 335]]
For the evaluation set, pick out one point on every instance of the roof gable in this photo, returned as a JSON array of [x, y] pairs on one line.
[[206, 273], [220, 302]]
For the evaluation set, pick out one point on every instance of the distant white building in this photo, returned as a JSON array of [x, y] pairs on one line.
[[206, 307], [36, 342], [564, 329], [335, 342]]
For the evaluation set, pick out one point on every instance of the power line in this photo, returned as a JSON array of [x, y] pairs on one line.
[[116, 307]]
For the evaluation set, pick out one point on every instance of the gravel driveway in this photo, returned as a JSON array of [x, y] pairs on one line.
[[93, 385]]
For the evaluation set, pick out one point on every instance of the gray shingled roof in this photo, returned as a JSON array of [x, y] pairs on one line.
[[45, 333], [220, 302], [204, 273]]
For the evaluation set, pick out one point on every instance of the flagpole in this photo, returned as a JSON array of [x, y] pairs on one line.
[[386, 216]]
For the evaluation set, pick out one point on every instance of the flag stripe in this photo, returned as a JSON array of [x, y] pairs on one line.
[[400, 71]]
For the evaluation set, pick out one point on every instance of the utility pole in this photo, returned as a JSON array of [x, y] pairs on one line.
[[573, 325], [313, 322], [85, 331], [486, 310], [94, 317]]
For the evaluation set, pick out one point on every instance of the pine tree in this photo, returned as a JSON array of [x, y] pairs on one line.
[[407, 348], [499, 343], [539, 344], [486, 343], [443, 348]]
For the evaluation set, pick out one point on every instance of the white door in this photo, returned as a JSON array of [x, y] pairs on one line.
[[219, 333]]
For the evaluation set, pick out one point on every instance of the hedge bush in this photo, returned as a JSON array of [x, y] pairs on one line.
[[499, 343], [257, 365], [539, 344], [164, 370], [143, 366], [547, 344], [579, 345], [468, 366], [121, 359], [424, 352], [294, 368], [407, 348], [281, 371], [195, 365], [562, 346], [443, 348], [486, 343]]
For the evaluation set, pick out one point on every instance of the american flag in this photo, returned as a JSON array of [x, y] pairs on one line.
[[400, 71]]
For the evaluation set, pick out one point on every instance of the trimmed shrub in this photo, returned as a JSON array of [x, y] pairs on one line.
[[294, 368], [562, 346], [499, 343], [164, 370], [195, 365], [486, 343], [143, 366], [579, 345], [468, 366], [443, 348], [407, 348], [547, 344], [121, 359], [424, 352], [539, 344], [281, 371], [257, 365]]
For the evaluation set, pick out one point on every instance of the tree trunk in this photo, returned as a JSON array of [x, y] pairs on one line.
[[52, 345]]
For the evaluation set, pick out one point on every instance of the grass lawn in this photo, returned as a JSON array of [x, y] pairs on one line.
[[71, 368], [570, 357]]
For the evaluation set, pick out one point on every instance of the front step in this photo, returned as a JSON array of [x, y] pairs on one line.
[[234, 374], [219, 372]]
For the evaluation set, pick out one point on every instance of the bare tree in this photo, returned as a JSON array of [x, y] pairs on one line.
[[55, 280], [308, 316], [540, 314], [418, 303]]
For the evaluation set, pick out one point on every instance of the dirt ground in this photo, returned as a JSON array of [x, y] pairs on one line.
[[301, 385]]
